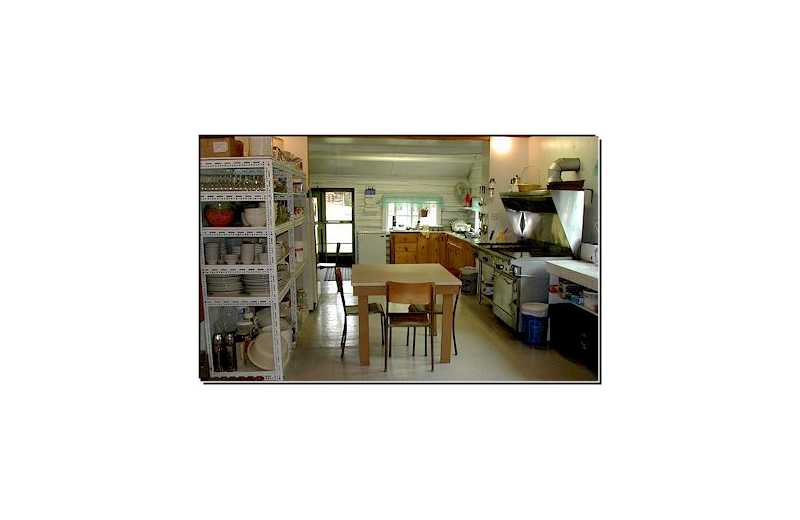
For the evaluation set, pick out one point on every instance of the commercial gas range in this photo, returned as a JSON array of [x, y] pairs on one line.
[[548, 225], [519, 276]]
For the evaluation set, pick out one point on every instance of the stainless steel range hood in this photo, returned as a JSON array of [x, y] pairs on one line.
[[553, 217]]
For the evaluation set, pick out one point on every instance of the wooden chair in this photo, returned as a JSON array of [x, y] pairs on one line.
[[410, 293], [352, 310], [437, 309], [329, 265]]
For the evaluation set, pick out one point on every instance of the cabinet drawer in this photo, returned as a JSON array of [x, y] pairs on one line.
[[405, 248], [405, 258], [405, 237]]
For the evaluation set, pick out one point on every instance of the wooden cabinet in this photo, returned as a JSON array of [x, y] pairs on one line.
[[458, 254], [406, 258], [441, 248]]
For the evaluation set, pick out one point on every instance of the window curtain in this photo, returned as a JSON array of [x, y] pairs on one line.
[[391, 203]]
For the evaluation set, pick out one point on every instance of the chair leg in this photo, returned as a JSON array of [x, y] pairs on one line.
[[408, 329], [432, 352], [344, 335], [383, 331], [455, 345], [386, 351], [414, 348], [426, 342], [390, 345]]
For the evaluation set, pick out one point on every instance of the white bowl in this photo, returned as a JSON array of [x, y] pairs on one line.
[[262, 354]]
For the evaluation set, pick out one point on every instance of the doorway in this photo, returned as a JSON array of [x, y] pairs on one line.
[[334, 225]]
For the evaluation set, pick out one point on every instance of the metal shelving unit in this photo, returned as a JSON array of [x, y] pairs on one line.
[[269, 169]]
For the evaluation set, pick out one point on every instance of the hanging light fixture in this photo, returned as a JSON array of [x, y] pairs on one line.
[[501, 144]]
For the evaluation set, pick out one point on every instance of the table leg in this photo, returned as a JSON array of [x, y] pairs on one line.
[[447, 327], [363, 329]]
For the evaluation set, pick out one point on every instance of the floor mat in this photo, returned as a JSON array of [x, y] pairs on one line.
[[327, 274]]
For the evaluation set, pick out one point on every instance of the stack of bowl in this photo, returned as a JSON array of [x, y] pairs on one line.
[[248, 253], [212, 252]]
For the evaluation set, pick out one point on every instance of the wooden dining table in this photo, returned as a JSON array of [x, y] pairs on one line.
[[370, 280]]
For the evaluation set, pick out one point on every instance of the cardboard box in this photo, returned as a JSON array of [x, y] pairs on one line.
[[221, 147]]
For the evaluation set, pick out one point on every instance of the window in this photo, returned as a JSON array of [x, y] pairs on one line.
[[406, 211]]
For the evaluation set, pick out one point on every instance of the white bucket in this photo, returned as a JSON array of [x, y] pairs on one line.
[[534, 309]]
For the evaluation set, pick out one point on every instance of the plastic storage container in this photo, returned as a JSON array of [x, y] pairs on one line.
[[534, 323], [590, 300], [469, 280]]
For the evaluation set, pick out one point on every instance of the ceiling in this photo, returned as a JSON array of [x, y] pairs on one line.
[[390, 157]]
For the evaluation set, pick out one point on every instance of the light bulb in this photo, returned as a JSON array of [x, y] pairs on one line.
[[501, 144]]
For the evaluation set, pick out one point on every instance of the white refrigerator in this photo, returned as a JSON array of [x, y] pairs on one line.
[[371, 247]]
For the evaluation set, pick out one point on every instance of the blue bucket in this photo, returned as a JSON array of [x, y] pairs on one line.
[[534, 323]]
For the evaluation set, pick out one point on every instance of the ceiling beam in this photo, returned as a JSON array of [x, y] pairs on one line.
[[462, 158]]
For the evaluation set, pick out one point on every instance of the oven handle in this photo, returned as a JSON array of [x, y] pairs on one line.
[[506, 277]]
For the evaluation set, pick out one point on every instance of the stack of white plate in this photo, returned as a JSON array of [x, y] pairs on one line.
[[224, 284], [257, 284]]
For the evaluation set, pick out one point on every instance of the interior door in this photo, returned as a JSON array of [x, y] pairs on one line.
[[334, 224]]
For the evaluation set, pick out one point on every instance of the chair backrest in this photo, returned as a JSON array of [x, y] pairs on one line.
[[412, 293], [339, 287]]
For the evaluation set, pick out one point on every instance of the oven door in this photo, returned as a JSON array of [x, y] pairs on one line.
[[504, 300]]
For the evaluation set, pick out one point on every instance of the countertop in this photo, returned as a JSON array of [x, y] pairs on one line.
[[451, 233], [578, 271]]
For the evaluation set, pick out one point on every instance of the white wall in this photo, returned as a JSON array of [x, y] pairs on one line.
[[502, 167], [542, 151], [298, 145]]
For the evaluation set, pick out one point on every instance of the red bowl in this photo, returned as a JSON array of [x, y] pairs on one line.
[[219, 216]]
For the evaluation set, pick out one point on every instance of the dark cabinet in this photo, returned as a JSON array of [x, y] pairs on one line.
[[574, 334]]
